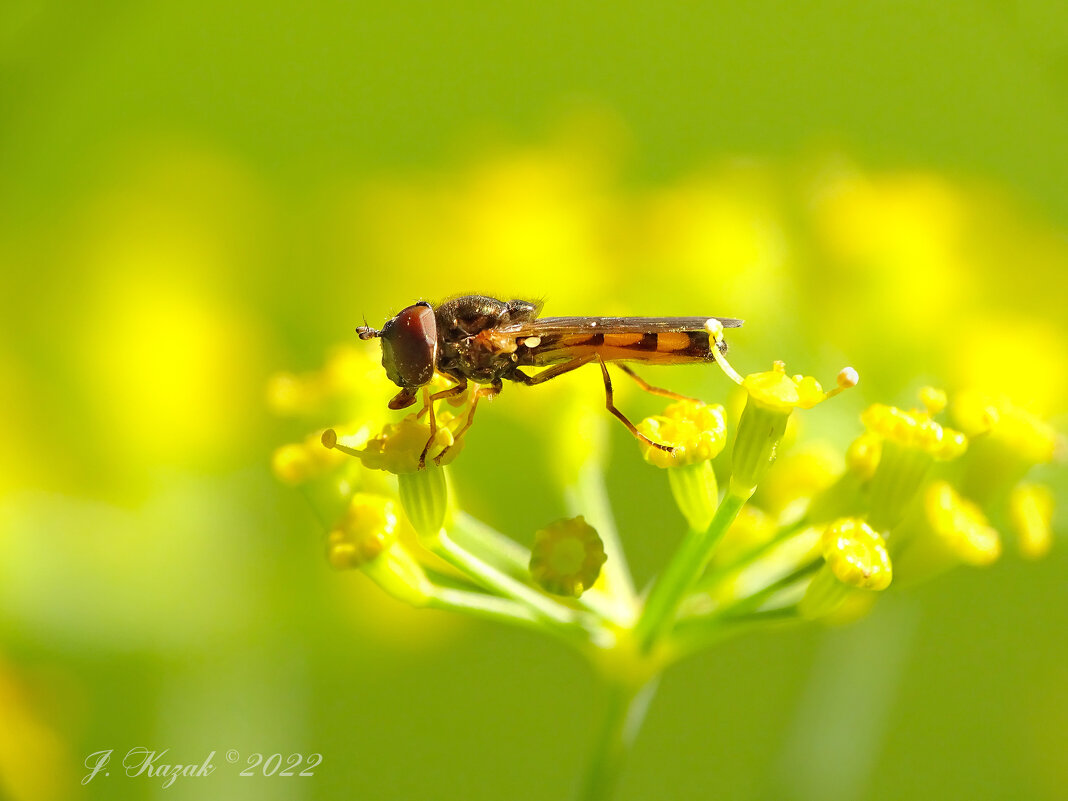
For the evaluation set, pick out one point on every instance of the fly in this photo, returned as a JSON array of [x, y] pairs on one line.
[[488, 341]]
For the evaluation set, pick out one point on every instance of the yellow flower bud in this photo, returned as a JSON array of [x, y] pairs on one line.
[[960, 526], [914, 430], [367, 528], [857, 555], [1031, 512], [1030, 438], [863, 454], [566, 558]]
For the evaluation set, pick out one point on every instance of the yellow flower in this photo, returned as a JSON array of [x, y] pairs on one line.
[[771, 398], [863, 454], [857, 555], [367, 528], [297, 462], [855, 560], [914, 430], [397, 448], [567, 556], [1031, 512], [696, 431], [1021, 432], [960, 526], [909, 443], [777, 391]]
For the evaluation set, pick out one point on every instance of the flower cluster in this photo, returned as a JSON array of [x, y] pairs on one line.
[[817, 537]]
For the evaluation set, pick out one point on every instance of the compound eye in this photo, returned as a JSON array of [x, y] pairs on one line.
[[410, 346]]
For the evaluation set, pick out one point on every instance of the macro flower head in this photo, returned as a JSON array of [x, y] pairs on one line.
[[784, 528]]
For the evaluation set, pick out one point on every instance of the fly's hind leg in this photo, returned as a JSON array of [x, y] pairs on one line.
[[667, 393], [482, 392], [622, 417]]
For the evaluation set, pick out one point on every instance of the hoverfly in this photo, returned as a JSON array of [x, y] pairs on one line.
[[488, 341]]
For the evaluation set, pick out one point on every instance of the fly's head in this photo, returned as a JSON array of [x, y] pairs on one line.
[[409, 350]]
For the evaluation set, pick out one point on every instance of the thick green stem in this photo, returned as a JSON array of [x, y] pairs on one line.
[[683, 572], [621, 719]]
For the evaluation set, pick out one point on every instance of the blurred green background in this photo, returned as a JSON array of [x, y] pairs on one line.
[[193, 197]]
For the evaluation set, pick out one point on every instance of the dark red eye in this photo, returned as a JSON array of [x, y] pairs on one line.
[[410, 346]]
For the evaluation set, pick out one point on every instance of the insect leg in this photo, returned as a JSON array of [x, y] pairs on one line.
[[482, 392], [553, 372], [667, 393], [428, 406], [451, 392], [622, 418]]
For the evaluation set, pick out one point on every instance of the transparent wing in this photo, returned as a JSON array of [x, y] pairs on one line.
[[613, 325]]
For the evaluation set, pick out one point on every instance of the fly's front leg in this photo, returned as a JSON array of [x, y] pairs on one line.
[[667, 393], [428, 406], [482, 392], [622, 418]]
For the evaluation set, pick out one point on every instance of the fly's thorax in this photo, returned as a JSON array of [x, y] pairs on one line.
[[410, 346]]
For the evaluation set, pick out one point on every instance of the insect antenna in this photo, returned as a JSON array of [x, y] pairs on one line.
[[365, 331]]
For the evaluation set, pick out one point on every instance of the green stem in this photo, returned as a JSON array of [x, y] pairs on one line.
[[494, 580], [697, 634], [499, 550], [717, 573], [683, 572], [621, 719], [511, 558], [484, 606]]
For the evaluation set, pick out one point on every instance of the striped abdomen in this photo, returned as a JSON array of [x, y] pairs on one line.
[[664, 347]]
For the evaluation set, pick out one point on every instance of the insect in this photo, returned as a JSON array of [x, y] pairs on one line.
[[488, 341]]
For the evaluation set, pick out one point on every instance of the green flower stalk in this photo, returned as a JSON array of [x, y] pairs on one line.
[[819, 540]]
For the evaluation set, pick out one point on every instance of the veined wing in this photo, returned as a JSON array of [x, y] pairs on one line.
[[655, 340], [612, 325]]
